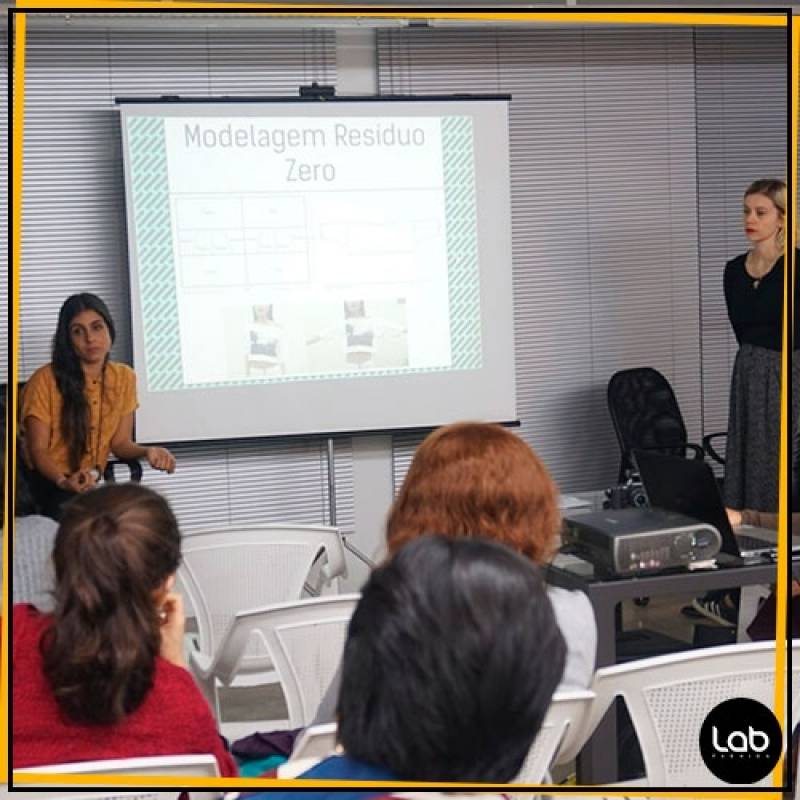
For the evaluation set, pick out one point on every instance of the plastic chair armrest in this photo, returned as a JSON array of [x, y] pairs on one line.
[[709, 448], [335, 565], [200, 663]]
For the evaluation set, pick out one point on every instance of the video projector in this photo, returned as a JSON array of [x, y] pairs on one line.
[[630, 541]]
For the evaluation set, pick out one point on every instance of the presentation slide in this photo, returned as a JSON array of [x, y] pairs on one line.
[[312, 245], [305, 248]]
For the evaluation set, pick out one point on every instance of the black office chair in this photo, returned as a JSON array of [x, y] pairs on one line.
[[646, 416]]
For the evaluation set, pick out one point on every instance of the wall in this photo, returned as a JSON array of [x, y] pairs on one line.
[[619, 238]]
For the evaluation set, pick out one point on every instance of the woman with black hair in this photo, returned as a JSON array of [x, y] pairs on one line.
[[451, 660], [103, 675], [79, 408]]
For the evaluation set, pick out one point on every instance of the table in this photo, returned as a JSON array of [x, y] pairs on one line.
[[597, 762]]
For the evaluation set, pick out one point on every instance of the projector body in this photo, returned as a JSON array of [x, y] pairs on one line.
[[631, 541]]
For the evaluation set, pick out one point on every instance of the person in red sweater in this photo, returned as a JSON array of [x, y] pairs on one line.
[[103, 676]]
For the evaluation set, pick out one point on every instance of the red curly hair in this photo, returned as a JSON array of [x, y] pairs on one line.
[[477, 479]]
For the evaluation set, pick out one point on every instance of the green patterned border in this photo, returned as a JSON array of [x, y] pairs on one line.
[[153, 234], [462, 242], [151, 216]]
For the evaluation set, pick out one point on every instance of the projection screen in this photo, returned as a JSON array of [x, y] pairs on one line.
[[318, 267]]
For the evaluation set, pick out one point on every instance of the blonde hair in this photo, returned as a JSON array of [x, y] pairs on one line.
[[775, 190]]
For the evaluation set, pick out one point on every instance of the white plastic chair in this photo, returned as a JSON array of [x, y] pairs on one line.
[[232, 569], [304, 641], [315, 741], [560, 738], [669, 697], [192, 765], [313, 744]]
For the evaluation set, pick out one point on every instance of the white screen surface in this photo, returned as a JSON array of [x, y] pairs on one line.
[[318, 267]]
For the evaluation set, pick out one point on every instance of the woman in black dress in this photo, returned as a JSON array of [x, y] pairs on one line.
[[754, 298], [753, 284]]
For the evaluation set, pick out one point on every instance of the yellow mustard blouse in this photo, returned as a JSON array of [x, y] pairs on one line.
[[110, 399]]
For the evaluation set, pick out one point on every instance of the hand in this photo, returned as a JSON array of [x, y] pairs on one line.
[[79, 482], [173, 622], [160, 458], [734, 517], [795, 588]]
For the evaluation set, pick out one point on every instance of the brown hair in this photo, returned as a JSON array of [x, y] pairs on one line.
[[114, 549], [477, 479]]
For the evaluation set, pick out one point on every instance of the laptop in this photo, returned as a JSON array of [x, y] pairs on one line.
[[689, 487]]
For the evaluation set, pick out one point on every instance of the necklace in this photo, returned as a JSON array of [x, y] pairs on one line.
[[760, 271]]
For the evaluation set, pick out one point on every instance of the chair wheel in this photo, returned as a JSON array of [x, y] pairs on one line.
[[641, 601]]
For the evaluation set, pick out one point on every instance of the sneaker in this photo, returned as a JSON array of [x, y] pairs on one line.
[[692, 612], [715, 610]]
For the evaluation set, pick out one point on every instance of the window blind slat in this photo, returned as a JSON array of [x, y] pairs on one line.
[[74, 228], [605, 167]]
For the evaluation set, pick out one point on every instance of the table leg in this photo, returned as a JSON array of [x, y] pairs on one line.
[[597, 761]]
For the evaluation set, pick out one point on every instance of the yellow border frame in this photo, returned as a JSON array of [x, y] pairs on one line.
[[572, 18]]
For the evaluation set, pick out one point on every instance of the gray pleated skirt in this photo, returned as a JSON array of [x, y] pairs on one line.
[[754, 428]]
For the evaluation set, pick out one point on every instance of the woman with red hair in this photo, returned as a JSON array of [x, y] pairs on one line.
[[476, 479]]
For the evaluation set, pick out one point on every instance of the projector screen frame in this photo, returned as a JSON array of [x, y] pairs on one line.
[[360, 98], [322, 434]]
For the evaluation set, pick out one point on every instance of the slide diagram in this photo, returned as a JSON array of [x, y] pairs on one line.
[[239, 240]]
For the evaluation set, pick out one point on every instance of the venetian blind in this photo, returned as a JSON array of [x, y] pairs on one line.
[[604, 220], [74, 226], [741, 136]]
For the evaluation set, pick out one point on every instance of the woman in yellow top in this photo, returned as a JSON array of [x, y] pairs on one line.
[[79, 407]]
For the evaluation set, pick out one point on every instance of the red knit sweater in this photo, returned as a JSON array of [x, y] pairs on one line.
[[174, 718]]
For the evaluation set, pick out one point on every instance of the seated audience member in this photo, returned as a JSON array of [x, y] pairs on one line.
[[103, 676], [762, 626], [451, 660], [34, 536], [722, 605], [478, 479], [33, 540]]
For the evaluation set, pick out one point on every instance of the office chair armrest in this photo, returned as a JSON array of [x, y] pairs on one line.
[[134, 468], [698, 451], [708, 447]]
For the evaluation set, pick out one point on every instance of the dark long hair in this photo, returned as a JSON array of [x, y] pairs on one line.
[[114, 548], [69, 375]]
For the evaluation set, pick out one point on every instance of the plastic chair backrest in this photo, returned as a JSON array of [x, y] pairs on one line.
[[316, 741], [559, 738], [305, 641], [228, 570], [669, 697], [645, 413], [192, 765]]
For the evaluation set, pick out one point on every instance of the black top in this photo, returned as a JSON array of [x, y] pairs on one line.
[[755, 308]]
